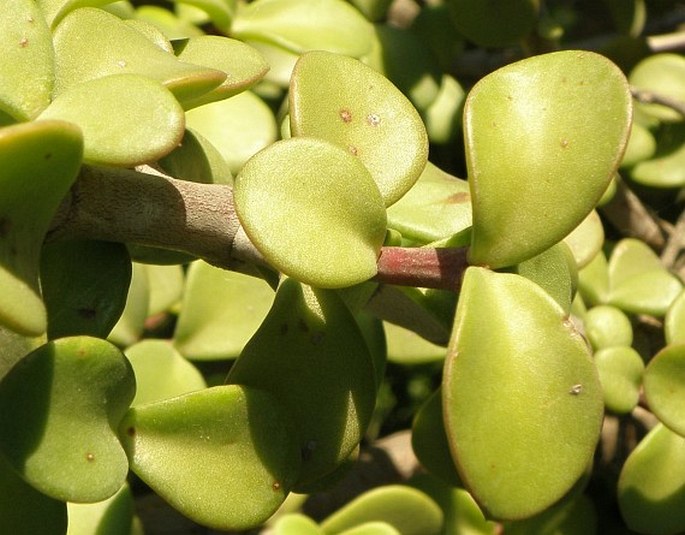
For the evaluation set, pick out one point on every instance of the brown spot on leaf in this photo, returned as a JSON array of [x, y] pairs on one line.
[[353, 150], [346, 115], [457, 198], [564, 143], [90, 457], [576, 389], [131, 431], [24, 42], [373, 119], [276, 485]]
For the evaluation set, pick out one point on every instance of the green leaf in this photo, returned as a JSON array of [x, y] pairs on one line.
[[372, 528], [55, 10], [664, 383], [607, 326], [296, 524], [638, 282], [568, 517], [27, 61], [179, 376], [15, 347], [238, 127], [84, 286], [544, 137], [131, 323], [113, 516], [301, 25], [405, 347], [641, 145], [343, 101], [166, 287], [91, 43], [197, 160], [67, 457], [663, 74], [593, 280], [126, 119], [674, 323], [438, 205], [522, 413], [313, 211], [586, 240], [651, 488], [665, 169], [220, 11], [489, 24], [620, 372], [223, 456], [408, 510], [221, 310], [243, 65], [38, 164], [24, 510], [326, 382]]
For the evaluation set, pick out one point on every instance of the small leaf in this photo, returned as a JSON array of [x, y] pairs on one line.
[[406, 509], [674, 323], [405, 347], [166, 287], [296, 524], [327, 381], [620, 372], [544, 137], [220, 11], [666, 168], [197, 160], [664, 74], [223, 456], [126, 119], [84, 286], [651, 488], [27, 61], [313, 211], [55, 10], [593, 280], [607, 326], [343, 101], [664, 384], [221, 310], [372, 528], [38, 164], [586, 240], [301, 25], [568, 517], [522, 413], [150, 356], [113, 516], [131, 323], [69, 458]]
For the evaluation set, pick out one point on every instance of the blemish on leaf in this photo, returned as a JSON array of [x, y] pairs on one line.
[[346, 115], [276, 486], [30, 19], [24, 42], [48, 155], [373, 119], [576, 389], [121, 63], [564, 143], [302, 325], [353, 150], [457, 198], [131, 431], [90, 457]]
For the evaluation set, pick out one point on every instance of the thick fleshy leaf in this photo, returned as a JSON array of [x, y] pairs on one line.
[[638, 282], [326, 382], [27, 61], [620, 372], [409, 510], [372, 528], [443, 118], [607, 326], [586, 240], [296, 524], [544, 137], [438, 205], [568, 517], [166, 287], [223, 456], [641, 145], [593, 280], [674, 323], [494, 24], [55, 10], [666, 169], [131, 323], [178, 376], [126, 119], [663, 74], [301, 25], [664, 384], [24, 510], [197, 160], [243, 65], [522, 413], [61, 406], [313, 211], [651, 488], [343, 101], [172, 25], [113, 516], [220, 11], [221, 310], [84, 286], [15, 347], [238, 127], [38, 164], [405, 347], [91, 43]]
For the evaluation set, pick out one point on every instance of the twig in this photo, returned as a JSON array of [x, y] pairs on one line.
[[649, 97], [675, 244]]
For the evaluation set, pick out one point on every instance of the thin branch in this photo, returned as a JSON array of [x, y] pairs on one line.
[[649, 97], [675, 244]]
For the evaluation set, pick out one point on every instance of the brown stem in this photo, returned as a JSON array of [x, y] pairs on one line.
[[422, 267], [649, 97]]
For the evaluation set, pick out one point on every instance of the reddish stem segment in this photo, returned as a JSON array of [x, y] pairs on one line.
[[424, 267]]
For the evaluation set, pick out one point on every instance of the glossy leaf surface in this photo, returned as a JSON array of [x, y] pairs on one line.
[[27, 61], [586, 240], [198, 160], [222, 456], [408, 510], [38, 164], [313, 211], [607, 326], [343, 101], [558, 124], [620, 372], [101, 271], [651, 488], [126, 119], [221, 310], [310, 354], [296, 524], [41, 436], [522, 413], [664, 384]]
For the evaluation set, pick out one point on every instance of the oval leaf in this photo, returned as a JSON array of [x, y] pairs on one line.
[[70, 458], [674, 323], [223, 456], [664, 384], [620, 371], [544, 137], [343, 101], [522, 413], [313, 211]]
